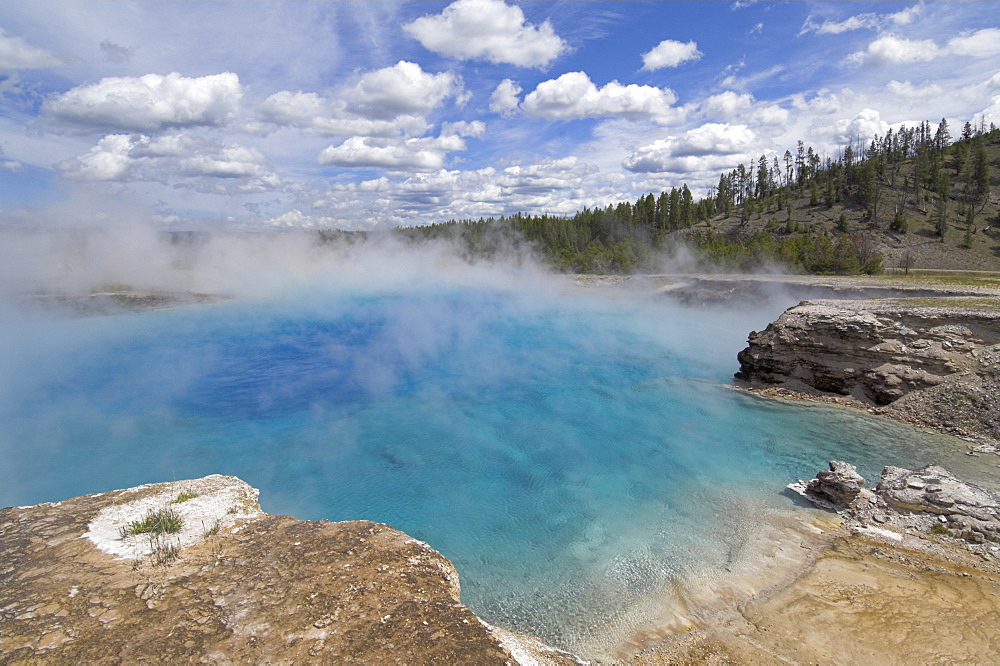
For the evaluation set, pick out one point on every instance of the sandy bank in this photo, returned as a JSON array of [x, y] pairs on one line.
[[863, 601]]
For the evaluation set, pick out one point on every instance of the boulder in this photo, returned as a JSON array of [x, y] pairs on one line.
[[840, 485]]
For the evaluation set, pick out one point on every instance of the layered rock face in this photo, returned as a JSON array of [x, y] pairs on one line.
[[938, 364], [94, 579]]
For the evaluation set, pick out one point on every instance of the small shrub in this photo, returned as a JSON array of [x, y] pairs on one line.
[[938, 528], [164, 553], [899, 223]]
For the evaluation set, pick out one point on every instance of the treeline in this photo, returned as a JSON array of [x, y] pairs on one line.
[[893, 177]]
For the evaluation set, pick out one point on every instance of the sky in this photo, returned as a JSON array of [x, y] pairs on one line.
[[363, 115]]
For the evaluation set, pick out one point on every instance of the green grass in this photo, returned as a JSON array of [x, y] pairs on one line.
[[183, 497], [970, 303], [211, 531], [164, 521], [961, 279]]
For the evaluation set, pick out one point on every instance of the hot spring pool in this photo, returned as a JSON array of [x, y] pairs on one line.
[[570, 453]]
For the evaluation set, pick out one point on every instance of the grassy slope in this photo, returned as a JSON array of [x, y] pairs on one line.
[[926, 248]]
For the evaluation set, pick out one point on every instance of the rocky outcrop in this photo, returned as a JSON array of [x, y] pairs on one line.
[[935, 361], [105, 578], [931, 493], [840, 485], [967, 508]]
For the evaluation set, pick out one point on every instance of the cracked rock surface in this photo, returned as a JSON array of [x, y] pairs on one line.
[[233, 585]]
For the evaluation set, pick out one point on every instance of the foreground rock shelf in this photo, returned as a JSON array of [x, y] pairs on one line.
[[234, 584]]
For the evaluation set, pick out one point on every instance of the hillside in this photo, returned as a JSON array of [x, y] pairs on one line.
[[917, 242], [912, 199]]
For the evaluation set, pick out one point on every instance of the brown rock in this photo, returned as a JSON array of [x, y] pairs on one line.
[[249, 588]]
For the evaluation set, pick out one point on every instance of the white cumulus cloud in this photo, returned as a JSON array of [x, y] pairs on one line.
[[865, 125], [403, 89], [109, 160], [869, 21], [712, 145], [573, 95], [173, 159], [979, 44], [329, 117], [416, 153], [296, 219], [670, 53], [893, 50], [504, 99], [556, 186], [231, 161], [15, 53], [384, 102], [488, 30], [910, 91], [149, 103], [726, 105], [464, 128]]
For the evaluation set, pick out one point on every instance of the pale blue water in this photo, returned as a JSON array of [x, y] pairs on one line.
[[568, 453]]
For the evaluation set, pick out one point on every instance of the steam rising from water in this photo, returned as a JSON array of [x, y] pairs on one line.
[[572, 452]]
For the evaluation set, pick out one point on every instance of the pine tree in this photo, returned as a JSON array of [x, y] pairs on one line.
[[941, 213], [980, 173], [942, 138], [970, 220]]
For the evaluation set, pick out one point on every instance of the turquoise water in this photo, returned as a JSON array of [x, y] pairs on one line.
[[570, 453]]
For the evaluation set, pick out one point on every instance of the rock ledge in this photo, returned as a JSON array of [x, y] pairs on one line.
[[929, 361], [233, 585]]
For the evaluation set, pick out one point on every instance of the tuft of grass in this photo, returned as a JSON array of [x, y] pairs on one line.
[[210, 531], [183, 496], [164, 521], [938, 528], [164, 554]]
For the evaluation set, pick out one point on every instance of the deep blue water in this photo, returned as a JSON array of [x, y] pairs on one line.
[[569, 453]]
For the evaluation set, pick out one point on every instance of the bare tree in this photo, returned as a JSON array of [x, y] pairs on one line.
[[906, 261]]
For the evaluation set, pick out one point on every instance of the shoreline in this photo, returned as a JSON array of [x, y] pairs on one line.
[[863, 599], [862, 590], [791, 396], [867, 594]]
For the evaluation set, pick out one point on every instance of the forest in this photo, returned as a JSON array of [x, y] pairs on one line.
[[802, 212]]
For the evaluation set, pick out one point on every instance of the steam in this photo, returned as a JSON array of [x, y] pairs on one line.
[[75, 261]]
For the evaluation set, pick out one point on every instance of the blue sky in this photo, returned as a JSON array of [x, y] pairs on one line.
[[190, 115]]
